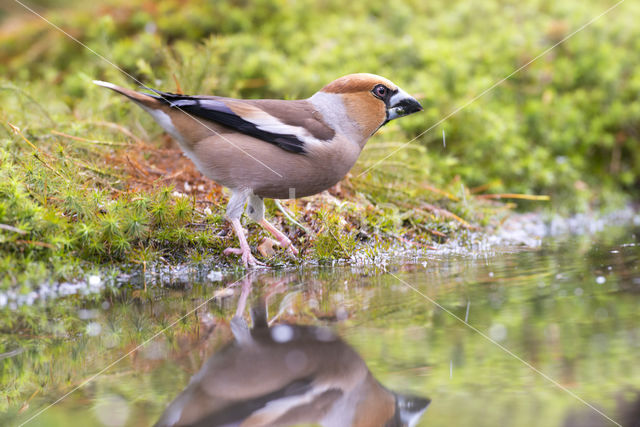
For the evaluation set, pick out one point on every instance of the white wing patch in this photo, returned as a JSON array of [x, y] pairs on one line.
[[268, 123]]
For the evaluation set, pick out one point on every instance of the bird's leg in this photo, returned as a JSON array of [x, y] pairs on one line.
[[244, 251], [239, 326], [284, 241], [234, 212], [255, 210]]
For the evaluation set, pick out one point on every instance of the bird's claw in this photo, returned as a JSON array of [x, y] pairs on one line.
[[248, 260]]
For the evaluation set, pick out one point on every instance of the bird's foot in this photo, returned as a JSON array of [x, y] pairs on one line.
[[285, 243], [248, 260], [282, 239]]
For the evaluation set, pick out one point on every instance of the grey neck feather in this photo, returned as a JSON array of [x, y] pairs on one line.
[[334, 113]]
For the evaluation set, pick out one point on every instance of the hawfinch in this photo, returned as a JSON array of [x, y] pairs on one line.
[[277, 149], [288, 375]]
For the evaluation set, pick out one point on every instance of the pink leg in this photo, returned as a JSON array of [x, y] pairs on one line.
[[244, 294], [279, 235], [244, 250]]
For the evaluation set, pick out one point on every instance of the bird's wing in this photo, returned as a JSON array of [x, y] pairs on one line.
[[291, 125], [296, 402]]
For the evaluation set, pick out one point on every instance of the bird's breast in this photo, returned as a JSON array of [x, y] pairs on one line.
[[320, 168]]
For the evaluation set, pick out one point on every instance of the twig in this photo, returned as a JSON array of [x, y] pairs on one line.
[[87, 166], [12, 228], [136, 166], [448, 214], [17, 130], [35, 243], [90, 141], [513, 196], [119, 128], [441, 192], [288, 215]]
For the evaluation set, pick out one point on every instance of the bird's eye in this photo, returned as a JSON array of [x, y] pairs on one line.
[[380, 91]]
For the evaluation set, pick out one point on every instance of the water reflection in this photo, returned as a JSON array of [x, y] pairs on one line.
[[626, 413], [287, 374], [570, 309]]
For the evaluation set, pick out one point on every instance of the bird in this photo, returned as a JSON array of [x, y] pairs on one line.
[[288, 374], [278, 149]]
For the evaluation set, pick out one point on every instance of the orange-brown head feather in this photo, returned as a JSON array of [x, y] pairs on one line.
[[360, 82], [365, 109]]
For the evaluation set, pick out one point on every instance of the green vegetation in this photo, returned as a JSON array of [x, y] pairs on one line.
[[82, 175]]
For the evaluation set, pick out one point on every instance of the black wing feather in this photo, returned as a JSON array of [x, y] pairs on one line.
[[243, 409], [218, 112]]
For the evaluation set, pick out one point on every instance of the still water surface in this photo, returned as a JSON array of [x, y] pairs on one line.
[[346, 345]]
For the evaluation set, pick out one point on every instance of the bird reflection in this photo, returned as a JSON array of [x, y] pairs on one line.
[[626, 413], [287, 375]]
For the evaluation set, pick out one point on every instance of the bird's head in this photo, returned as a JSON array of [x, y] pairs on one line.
[[371, 101]]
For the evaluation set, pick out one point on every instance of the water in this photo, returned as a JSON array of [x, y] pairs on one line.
[[569, 310]]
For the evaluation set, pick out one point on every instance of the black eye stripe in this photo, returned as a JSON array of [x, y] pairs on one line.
[[380, 91], [386, 97]]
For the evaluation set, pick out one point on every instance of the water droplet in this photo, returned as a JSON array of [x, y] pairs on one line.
[[282, 333]]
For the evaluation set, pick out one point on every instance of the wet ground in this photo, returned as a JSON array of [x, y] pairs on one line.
[[520, 337]]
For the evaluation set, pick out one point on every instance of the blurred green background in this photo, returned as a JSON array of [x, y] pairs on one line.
[[567, 125]]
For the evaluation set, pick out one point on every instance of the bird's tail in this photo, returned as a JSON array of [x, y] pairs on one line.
[[143, 99]]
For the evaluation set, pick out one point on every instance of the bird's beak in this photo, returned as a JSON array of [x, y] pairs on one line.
[[402, 104], [410, 408]]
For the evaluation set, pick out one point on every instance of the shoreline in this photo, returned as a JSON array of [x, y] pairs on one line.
[[520, 231]]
